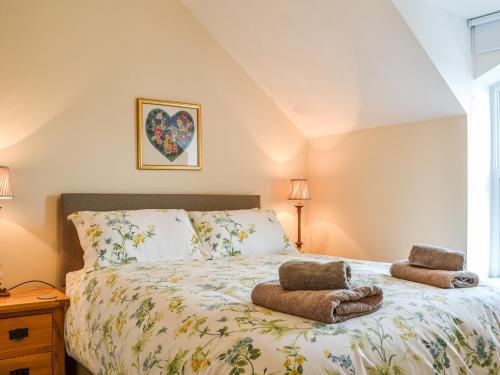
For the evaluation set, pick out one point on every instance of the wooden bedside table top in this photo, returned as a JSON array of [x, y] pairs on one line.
[[25, 299]]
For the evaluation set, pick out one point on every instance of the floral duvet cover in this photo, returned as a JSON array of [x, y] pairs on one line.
[[196, 317]]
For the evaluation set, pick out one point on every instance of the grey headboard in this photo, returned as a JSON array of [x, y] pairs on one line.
[[72, 253]]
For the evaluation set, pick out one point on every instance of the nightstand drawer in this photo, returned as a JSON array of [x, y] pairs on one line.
[[36, 364], [25, 335]]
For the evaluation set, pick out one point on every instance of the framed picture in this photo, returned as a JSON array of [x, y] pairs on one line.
[[168, 135]]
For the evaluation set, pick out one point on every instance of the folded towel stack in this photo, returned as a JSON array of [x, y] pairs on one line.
[[296, 275], [436, 258], [318, 291], [435, 266]]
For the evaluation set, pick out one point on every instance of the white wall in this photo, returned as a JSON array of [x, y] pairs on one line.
[[378, 191], [70, 73]]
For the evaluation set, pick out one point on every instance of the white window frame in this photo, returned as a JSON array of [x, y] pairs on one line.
[[494, 268]]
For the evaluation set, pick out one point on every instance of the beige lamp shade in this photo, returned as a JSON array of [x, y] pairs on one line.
[[5, 184], [299, 190]]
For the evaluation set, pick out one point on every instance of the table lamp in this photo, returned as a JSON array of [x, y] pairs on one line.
[[299, 191], [5, 184], [5, 193]]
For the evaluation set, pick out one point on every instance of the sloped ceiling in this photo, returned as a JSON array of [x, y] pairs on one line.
[[445, 37], [331, 66]]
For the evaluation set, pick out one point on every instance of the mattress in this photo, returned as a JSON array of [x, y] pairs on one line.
[[196, 317]]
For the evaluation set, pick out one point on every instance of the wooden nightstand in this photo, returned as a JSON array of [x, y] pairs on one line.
[[32, 333]]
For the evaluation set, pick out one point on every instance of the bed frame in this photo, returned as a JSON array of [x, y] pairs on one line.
[[72, 253]]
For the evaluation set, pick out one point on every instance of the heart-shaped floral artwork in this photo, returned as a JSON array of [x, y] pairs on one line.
[[169, 135]]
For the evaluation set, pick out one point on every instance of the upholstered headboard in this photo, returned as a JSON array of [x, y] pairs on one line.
[[72, 253]]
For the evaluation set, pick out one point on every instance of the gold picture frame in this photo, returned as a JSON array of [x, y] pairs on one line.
[[168, 135]]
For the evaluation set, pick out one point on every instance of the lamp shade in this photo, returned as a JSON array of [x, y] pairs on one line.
[[299, 190], [5, 184]]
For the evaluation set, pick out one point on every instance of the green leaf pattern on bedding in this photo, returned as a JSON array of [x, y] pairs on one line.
[[112, 238], [239, 232], [232, 234], [114, 250], [195, 317]]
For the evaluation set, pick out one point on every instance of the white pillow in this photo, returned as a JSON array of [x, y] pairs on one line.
[[247, 232], [117, 237]]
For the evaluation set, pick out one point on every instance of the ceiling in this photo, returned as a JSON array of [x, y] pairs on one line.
[[468, 8], [331, 66]]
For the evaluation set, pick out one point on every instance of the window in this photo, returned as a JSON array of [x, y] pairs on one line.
[[495, 183], [485, 32]]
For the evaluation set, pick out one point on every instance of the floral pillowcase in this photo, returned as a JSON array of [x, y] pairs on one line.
[[247, 232], [119, 237]]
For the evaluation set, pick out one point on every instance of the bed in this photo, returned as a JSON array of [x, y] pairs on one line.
[[196, 317]]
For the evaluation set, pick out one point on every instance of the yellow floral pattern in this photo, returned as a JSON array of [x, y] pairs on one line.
[[230, 233], [118, 237], [196, 317]]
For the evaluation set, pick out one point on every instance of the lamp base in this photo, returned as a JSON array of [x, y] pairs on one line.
[[299, 243]]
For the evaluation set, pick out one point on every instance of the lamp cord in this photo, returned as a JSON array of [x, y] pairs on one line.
[[31, 281]]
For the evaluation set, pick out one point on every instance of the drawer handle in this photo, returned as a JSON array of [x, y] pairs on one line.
[[20, 371], [18, 334]]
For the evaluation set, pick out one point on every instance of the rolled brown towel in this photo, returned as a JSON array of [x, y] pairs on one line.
[[439, 278], [327, 306], [297, 275], [437, 258]]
